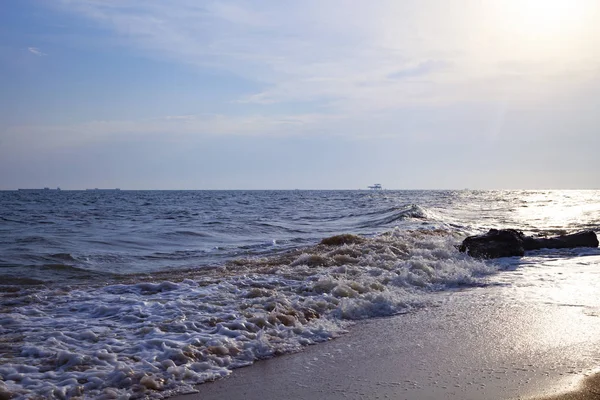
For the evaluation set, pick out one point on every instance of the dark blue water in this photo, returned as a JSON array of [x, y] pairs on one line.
[[83, 234]]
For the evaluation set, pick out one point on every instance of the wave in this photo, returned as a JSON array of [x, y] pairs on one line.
[[16, 221], [273, 227], [192, 328], [50, 271], [37, 240], [18, 281], [61, 267], [387, 217], [175, 255], [188, 233], [63, 256]]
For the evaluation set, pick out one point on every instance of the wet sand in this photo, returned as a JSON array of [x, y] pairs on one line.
[[489, 343], [588, 389]]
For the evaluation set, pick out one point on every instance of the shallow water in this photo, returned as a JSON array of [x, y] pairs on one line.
[[147, 293]]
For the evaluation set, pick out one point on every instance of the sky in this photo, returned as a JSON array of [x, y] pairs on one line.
[[312, 94]]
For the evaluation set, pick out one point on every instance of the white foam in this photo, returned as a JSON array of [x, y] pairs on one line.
[[155, 339]]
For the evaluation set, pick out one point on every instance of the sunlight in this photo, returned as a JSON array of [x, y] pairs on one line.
[[542, 28], [548, 17], [557, 210]]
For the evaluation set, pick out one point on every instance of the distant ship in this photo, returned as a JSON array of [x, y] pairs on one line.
[[376, 186], [37, 190]]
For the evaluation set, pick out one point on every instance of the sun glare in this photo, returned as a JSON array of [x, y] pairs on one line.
[[548, 17], [540, 29]]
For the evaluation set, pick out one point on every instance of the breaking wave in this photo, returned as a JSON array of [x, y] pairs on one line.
[[161, 337], [387, 217]]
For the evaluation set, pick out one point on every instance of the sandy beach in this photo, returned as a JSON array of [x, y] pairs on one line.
[[502, 342]]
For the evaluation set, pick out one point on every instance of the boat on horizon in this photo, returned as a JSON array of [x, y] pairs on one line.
[[376, 186], [46, 189]]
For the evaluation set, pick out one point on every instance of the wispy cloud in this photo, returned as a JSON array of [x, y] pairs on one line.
[[36, 51], [421, 69], [353, 56], [180, 117], [179, 128]]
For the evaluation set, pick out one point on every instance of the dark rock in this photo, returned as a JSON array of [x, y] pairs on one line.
[[510, 242], [579, 239], [496, 243]]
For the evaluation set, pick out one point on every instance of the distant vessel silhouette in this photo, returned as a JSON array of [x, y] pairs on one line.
[[376, 186], [38, 190]]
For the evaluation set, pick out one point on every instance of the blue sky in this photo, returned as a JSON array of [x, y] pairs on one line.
[[335, 94]]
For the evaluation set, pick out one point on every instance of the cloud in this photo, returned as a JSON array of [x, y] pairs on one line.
[[420, 69], [183, 128], [180, 117], [349, 57], [36, 51]]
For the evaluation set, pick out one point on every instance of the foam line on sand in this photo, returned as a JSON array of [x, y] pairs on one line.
[[489, 343]]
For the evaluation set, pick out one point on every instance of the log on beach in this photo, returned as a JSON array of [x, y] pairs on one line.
[[511, 242]]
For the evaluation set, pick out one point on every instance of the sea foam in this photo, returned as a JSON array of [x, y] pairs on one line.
[[153, 339]]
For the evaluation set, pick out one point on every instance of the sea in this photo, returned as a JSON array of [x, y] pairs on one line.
[[146, 294]]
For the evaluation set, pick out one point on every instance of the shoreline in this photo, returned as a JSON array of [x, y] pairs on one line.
[[588, 389], [485, 343]]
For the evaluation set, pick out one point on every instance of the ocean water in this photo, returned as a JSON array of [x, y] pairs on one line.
[[144, 294]]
